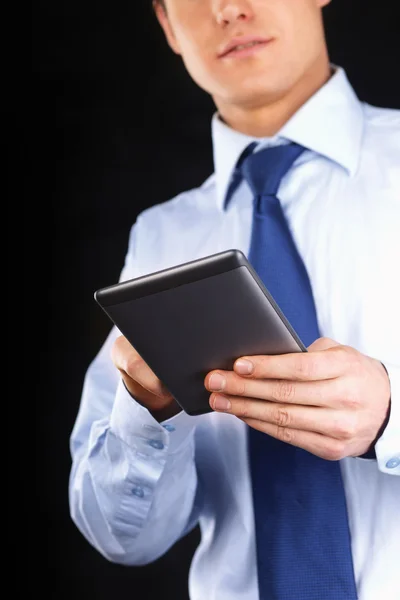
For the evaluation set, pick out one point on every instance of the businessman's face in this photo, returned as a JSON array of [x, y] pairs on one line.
[[291, 35]]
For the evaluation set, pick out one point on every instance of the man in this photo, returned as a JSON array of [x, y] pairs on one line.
[[144, 473]]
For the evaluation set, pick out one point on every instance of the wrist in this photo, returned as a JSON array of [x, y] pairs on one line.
[[370, 453]]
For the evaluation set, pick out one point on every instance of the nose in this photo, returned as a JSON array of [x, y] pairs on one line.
[[230, 11]]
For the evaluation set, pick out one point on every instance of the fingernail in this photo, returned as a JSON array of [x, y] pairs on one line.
[[244, 367], [221, 403], [217, 382]]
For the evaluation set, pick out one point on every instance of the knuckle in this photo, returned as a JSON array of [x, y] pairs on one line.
[[349, 358], [284, 391], [262, 365], [334, 450], [306, 366], [132, 364], [243, 410], [241, 387], [281, 417], [345, 428], [351, 399], [345, 352], [352, 355], [119, 340], [284, 434]]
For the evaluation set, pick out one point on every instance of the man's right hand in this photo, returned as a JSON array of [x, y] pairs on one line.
[[140, 381]]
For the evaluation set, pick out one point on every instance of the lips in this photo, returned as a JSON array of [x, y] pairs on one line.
[[238, 43]]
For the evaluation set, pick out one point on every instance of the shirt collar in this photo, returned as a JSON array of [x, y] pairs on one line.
[[329, 123]]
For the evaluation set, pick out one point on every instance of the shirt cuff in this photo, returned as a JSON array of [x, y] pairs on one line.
[[387, 448], [136, 426]]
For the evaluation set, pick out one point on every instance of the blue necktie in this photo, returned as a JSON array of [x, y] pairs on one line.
[[302, 531]]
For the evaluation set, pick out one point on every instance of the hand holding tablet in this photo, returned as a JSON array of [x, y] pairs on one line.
[[195, 317]]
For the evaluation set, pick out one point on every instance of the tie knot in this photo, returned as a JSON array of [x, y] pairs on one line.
[[265, 169]]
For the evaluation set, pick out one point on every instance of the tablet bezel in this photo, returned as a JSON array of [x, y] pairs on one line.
[[172, 277], [184, 273]]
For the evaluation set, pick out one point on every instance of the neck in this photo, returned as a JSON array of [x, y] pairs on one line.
[[264, 118]]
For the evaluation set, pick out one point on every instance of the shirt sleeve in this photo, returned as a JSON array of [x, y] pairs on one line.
[[133, 488], [387, 448]]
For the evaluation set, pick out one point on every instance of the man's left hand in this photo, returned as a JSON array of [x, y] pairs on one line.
[[331, 400]]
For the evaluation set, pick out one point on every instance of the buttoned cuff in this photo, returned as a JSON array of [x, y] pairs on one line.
[[387, 448], [136, 426]]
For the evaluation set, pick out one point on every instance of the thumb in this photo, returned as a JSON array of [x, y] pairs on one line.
[[322, 343]]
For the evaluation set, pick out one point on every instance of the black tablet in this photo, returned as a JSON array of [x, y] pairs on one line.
[[198, 316]]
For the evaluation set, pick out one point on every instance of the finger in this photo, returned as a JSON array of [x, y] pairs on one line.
[[316, 443], [328, 421], [127, 360], [143, 396], [314, 393], [324, 360]]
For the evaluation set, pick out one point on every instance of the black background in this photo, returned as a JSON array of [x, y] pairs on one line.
[[113, 124]]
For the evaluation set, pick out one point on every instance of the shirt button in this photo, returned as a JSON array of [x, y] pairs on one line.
[[169, 427], [156, 444], [393, 462], [138, 491]]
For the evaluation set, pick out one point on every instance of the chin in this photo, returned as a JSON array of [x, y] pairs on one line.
[[253, 94], [267, 82]]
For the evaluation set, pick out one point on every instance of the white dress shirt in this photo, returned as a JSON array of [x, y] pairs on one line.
[[137, 486]]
